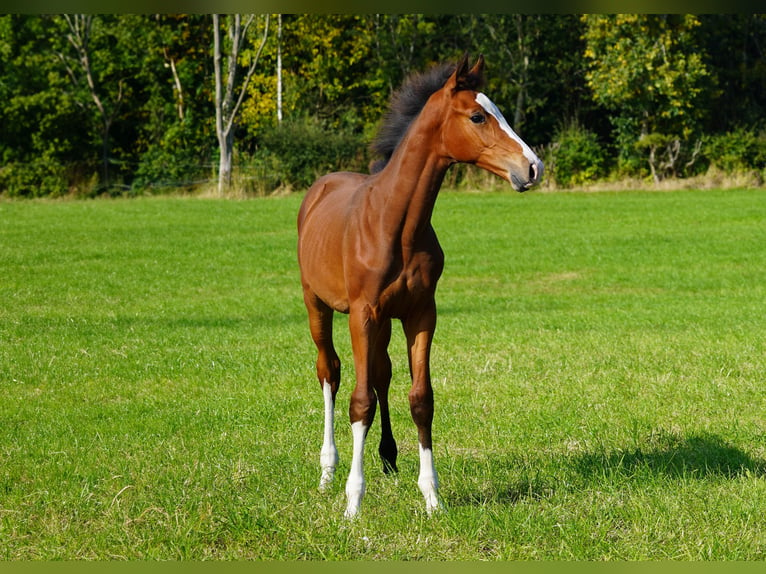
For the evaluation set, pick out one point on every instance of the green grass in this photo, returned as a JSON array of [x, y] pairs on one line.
[[599, 370]]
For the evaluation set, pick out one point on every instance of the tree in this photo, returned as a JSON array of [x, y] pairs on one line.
[[735, 51], [647, 70], [176, 135], [226, 107], [42, 137], [128, 101], [535, 68], [329, 69], [100, 56]]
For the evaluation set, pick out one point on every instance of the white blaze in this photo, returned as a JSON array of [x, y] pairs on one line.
[[492, 110]]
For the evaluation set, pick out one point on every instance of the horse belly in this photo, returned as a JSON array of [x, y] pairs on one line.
[[322, 267], [320, 243]]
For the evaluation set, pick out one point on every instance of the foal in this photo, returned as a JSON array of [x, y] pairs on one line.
[[366, 247]]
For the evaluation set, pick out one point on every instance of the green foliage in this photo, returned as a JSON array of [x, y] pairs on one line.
[[100, 59], [330, 66], [296, 152], [741, 149], [648, 69], [145, 118], [42, 126], [535, 67], [576, 156], [176, 160], [38, 178]]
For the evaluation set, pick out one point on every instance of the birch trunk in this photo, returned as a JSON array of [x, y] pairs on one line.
[[226, 107]]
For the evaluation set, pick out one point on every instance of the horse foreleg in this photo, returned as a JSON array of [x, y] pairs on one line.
[[419, 331], [355, 485], [363, 403]]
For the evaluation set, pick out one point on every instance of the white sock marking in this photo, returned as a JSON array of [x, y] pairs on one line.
[[328, 457], [355, 485], [427, 480]]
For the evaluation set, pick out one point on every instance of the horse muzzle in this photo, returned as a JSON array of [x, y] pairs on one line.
[[522, 182]]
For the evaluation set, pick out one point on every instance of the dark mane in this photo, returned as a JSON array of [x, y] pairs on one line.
[[404, 106]]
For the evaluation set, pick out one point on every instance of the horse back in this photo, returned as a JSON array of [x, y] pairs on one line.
[[331, 196]]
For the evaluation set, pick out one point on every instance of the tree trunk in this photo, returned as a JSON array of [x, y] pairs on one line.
[[518, 115], [279, 70], [224, 175], [226, 108], [652, 161], [226, 146]]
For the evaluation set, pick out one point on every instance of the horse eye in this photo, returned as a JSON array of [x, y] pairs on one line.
[[478, 118]]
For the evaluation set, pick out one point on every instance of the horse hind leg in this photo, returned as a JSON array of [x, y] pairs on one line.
[[328, 373], [382, 369]]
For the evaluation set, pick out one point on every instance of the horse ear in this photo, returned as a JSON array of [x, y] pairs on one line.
[[466, 78], [478, 67], [462, 66], [454, 81]]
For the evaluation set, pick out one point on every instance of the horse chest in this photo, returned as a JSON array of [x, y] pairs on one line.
[[415, 280]]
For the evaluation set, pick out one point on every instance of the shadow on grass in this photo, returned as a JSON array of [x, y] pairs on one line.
[[702, 456], [697, 456], [513, 493]]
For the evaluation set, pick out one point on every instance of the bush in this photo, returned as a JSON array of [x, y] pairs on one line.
[[739, 150], [575, 157], [40, 177], [296, 152], [178, 159]]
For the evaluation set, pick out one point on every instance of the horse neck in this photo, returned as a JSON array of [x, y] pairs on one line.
[[410, 182]]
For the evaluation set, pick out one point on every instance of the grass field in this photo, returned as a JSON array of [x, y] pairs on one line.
[[599, 370]]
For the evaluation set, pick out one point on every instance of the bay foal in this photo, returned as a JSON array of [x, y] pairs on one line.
[[366, 247]]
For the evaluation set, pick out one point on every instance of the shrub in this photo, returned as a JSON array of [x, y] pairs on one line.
[[669, 155], [178, 159], [296, 152], [739, 150], [40, 177], [576, 156]]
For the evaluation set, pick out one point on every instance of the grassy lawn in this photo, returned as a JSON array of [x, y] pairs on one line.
[[599, 369]]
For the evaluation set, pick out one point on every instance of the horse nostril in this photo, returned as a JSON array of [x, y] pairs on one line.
[[533, 172]]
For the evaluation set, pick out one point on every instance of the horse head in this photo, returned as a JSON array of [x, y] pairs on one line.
[[476, 132]]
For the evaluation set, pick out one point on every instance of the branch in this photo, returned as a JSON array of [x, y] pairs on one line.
[[250, 19], [79, 26], [695, 153], [176, 80], [69, 69], [250, 71], [234, 34]]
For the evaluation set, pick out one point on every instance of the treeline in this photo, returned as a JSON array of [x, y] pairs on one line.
[[128, 104]]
